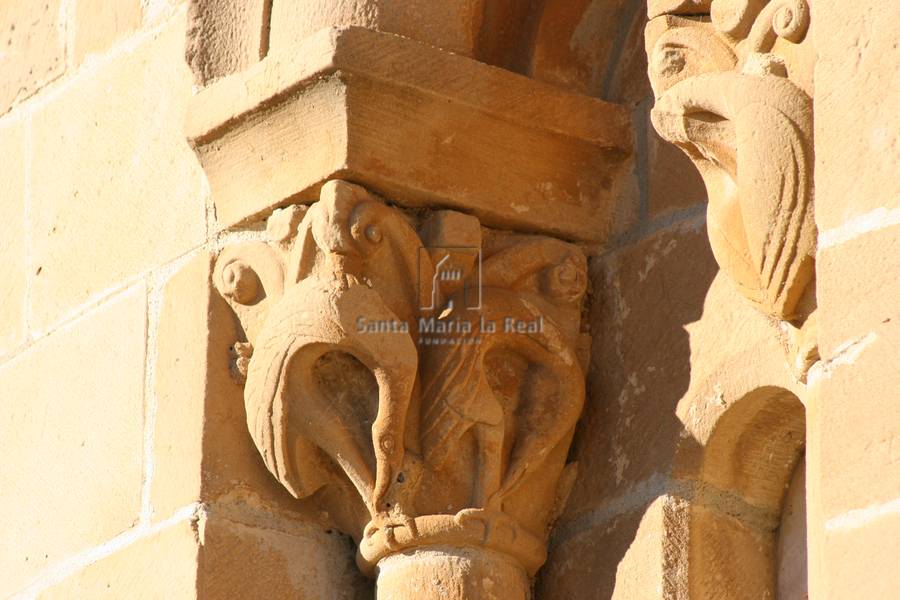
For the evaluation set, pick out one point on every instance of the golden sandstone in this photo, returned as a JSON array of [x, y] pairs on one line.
[[450, 299]]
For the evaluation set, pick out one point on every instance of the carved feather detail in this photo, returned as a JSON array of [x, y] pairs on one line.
[[750, 137]]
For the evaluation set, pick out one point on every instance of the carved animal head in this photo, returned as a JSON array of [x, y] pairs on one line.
[[731, 91]]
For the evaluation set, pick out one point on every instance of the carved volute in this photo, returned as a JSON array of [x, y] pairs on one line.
[[419, 379], [732, 80]]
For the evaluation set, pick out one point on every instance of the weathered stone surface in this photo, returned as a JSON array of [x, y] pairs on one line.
[[791, 576], [816, 479], [182, 374], [424, 134], [129, 194], [202, 451], [862, 560], [724, 550], [698, 352], [857, 137], [451, 573], [677, 349], [747, 444], [71, 424], [859, 288], [734, 91], [858, 433], [452, 25], [225, 37], [13, 136], [860, 423], [161, 565], [32, 49], [641, 365], [753, 447], [577, 40], [613, 553], [625, 77], [672, 181], [244, 561], [641, 572], [98, 25]]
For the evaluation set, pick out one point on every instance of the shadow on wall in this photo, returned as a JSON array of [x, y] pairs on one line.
[[688, 443], [645, 294], [692, 426], [647, 290]]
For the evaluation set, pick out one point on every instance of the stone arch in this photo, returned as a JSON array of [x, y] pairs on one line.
[[744, 419], [746, 470]]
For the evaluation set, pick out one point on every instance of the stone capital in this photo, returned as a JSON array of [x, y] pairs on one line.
[[418, 377], [410, 325]]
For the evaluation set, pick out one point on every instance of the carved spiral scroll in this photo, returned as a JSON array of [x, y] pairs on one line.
[[788, 19]]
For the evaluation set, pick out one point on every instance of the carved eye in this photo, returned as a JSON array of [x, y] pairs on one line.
[[241, 282], [365, 224], [373, 234]]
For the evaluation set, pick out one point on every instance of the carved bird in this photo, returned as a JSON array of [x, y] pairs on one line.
[[751, 139], [515, 434], [349, 245]]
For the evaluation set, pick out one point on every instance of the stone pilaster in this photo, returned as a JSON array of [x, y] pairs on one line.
[[410, 336]]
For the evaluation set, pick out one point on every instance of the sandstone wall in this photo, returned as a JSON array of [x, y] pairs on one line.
[[102, 409], [856, 467]]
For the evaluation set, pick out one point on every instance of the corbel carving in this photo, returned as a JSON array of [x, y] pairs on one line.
[[732, 81], [418, 378], [728, 101]]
